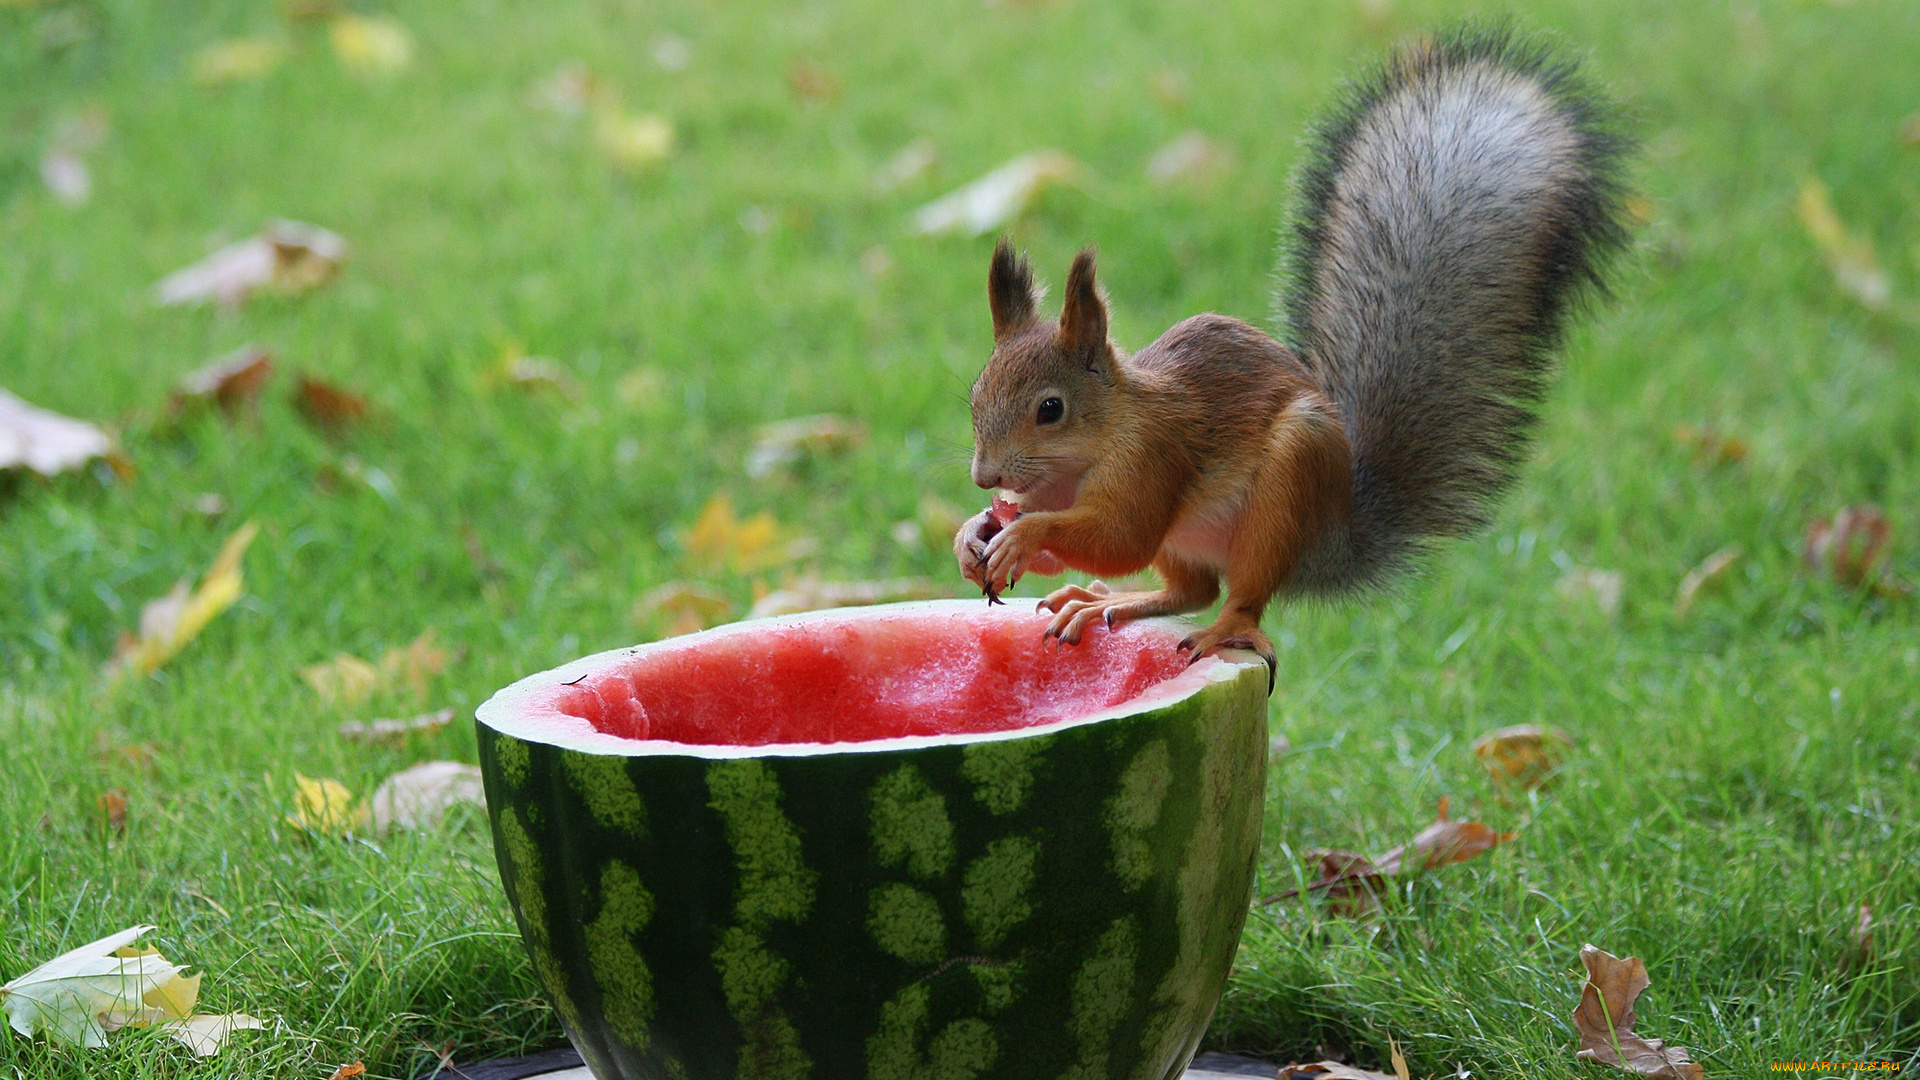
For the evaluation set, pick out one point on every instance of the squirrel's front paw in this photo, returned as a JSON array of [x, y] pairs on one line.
[[970, 546], [1010, 553]]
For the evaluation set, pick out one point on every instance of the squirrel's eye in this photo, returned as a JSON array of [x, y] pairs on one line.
[[1051, 410]]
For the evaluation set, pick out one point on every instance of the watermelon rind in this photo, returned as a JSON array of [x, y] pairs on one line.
[[1059, 902]]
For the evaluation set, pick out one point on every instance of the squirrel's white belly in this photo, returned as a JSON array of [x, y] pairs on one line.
[[1203, 531]]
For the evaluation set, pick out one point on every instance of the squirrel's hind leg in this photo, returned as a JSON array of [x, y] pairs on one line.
[[1303, 485], [1188, 588]]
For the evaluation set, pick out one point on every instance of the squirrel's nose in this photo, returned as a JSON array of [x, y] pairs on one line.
[[981, 477]]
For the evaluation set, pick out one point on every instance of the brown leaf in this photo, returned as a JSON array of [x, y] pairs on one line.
[[1851, 549], [812, 84], [1711, 571], [419, 797], [1709, 445], [230, 382], [1604, 1020], [396, 732], [785, 442], [113, 809], [1526, 755], [287, 257], [345, 678], [812, 594], [1441, 844], [327, 406], [348, 1072], [681, 607], [349, 680], [45, 442]]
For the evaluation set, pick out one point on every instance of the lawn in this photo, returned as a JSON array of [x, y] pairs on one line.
[[1743, 777]]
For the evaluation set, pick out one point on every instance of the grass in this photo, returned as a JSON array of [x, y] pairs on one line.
[[1744, 778]]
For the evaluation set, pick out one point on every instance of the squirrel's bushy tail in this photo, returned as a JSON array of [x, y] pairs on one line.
[[1455, 206]]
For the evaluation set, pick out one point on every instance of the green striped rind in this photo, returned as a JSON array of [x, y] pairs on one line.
[[1063, 904]]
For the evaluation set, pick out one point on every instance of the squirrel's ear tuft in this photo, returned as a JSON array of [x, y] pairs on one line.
[[1083, 315], [1010, 291]]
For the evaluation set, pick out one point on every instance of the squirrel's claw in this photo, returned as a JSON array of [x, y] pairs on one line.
[[1206, 642]]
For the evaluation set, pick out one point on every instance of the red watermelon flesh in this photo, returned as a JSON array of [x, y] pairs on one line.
[[823, 680]]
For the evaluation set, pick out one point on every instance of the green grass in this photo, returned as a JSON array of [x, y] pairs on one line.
[[1743, 779]]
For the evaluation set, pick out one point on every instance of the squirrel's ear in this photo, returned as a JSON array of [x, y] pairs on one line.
[[1083, 314], [1010, 291]]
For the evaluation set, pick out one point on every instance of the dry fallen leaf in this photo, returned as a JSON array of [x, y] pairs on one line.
[[326, 406], [45, 442], [236, 60], [80, 996], [1353, 881], [419, 797], [995, 199], [321, 806], [1851, 257], [530, 374], [1860, 954], [113, 809], [632, 142], [397, 731], [718, 537], [1851, 549], [1191, 157], [1334, 1070], [371, 44], [1441, 844], [912, 162], [347, 679], [1526, 755], [1711, 571], [681, 607], [1711, 446], [231, 382], [169, 623], [785, 442], [1604, 1020], [1587, 584], [812, 84], [286, 257], [812, 594], [348, 1071]]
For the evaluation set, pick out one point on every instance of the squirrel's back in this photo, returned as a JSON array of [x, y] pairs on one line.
[[1454, 208]]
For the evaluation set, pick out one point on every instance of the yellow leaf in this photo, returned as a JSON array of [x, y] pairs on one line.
[[169, 623], [206, 1034], [371, 44], [236, 60], [681, 607], [321, 806], [345, 679], [633, 143], [1851, 258], [175, 998]]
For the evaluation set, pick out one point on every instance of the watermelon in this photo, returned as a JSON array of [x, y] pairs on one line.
[[909, 842]]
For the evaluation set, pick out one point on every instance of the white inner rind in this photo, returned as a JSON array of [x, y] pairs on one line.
[[521, 710]]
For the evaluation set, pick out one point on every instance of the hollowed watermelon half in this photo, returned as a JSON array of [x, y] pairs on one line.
[[897, 843]]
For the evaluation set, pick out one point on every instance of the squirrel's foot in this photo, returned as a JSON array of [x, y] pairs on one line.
[[1234, 631], [1076, 608]]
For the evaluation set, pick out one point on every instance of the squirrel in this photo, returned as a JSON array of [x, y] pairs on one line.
[[1458, 203]]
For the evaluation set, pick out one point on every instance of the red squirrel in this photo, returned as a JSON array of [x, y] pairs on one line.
[[1455, 207]]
